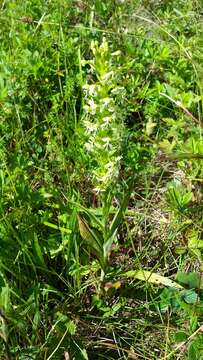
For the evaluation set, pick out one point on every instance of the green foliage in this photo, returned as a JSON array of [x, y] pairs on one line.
[[100, 240], [178, 196], [101, 169]]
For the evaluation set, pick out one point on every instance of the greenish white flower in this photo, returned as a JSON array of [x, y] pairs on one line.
[[102, 120]]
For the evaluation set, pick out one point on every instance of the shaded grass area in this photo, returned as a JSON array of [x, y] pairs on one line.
[[101, 174]]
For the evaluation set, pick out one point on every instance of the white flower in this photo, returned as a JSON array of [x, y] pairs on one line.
[[92, 107], [107, 121], [90, 127], [89, 146], [107, 143], [107, 104]]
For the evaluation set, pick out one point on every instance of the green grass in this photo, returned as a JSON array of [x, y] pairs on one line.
[[101, 180]]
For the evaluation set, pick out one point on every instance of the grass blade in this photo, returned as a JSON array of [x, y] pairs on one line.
[[119, 215]]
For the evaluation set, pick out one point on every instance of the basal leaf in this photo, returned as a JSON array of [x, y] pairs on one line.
[[92, 238]]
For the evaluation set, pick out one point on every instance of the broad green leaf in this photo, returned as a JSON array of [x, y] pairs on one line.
[[191, 279], [38, 252], [178, 196], [180, 336], [190, 297]]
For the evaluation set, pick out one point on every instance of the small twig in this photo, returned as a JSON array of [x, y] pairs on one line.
[[57, 347], [184, 343], [181, 106], [39, 22], [131, 354]]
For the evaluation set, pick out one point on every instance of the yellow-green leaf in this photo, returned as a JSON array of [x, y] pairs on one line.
[[92, 237], [152, 278]]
